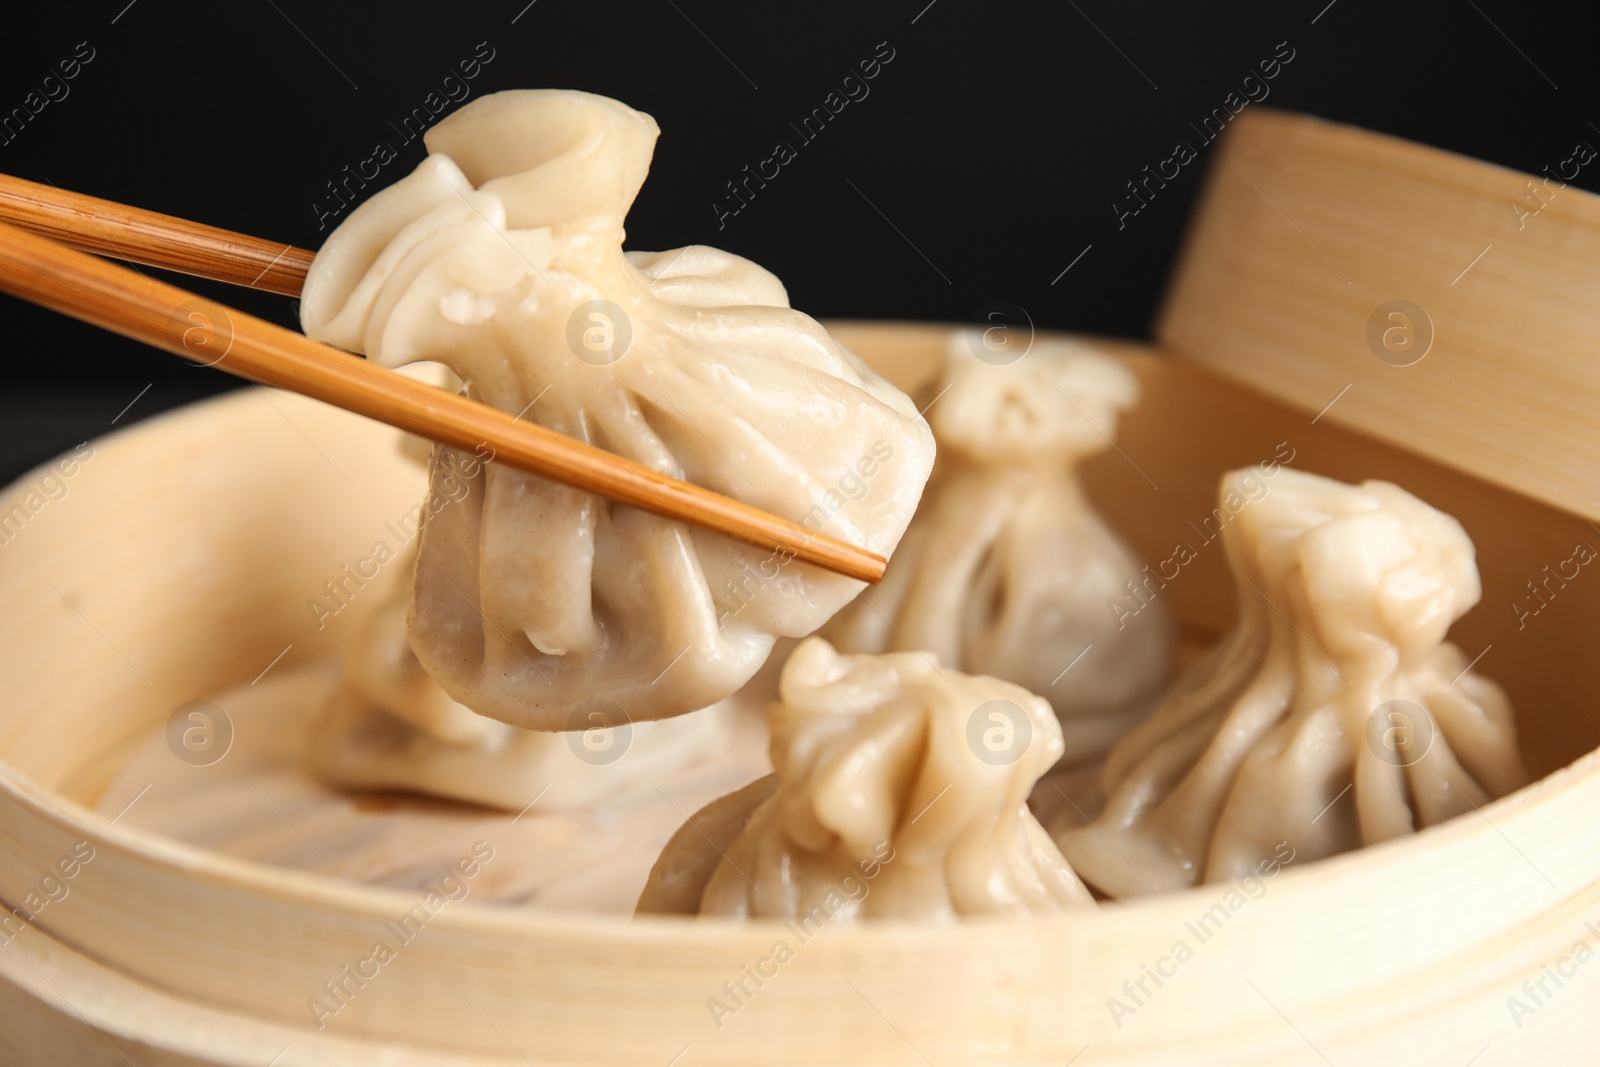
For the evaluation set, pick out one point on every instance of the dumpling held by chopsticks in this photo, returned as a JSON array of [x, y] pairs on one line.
[[501, 257]]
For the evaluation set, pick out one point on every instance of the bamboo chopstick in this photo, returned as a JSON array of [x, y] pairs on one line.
[[74, 283], [108, 228]]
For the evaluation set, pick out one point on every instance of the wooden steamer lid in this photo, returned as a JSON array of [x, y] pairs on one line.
[[1308, 237]]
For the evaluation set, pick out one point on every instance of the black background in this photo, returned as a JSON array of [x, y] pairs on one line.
[[986, 157]]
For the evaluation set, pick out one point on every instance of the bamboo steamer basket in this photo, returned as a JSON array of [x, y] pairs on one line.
[[180, 558]]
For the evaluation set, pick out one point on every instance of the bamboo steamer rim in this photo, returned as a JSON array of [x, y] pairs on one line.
[[86, 821], [999, 971]]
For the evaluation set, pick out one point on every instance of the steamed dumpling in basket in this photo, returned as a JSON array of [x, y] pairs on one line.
[[900, 791], [1334, 715], [1006, 569], [501, 257]]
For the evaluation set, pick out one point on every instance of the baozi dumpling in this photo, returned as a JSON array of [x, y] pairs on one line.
[[501, 257], [1006, 569], [389, 726], [1337, 677], [900, 791]]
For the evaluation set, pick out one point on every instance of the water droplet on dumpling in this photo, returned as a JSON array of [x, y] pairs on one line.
[[465, 307]]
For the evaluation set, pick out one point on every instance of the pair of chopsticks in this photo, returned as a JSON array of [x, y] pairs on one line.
[[43, 246]]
